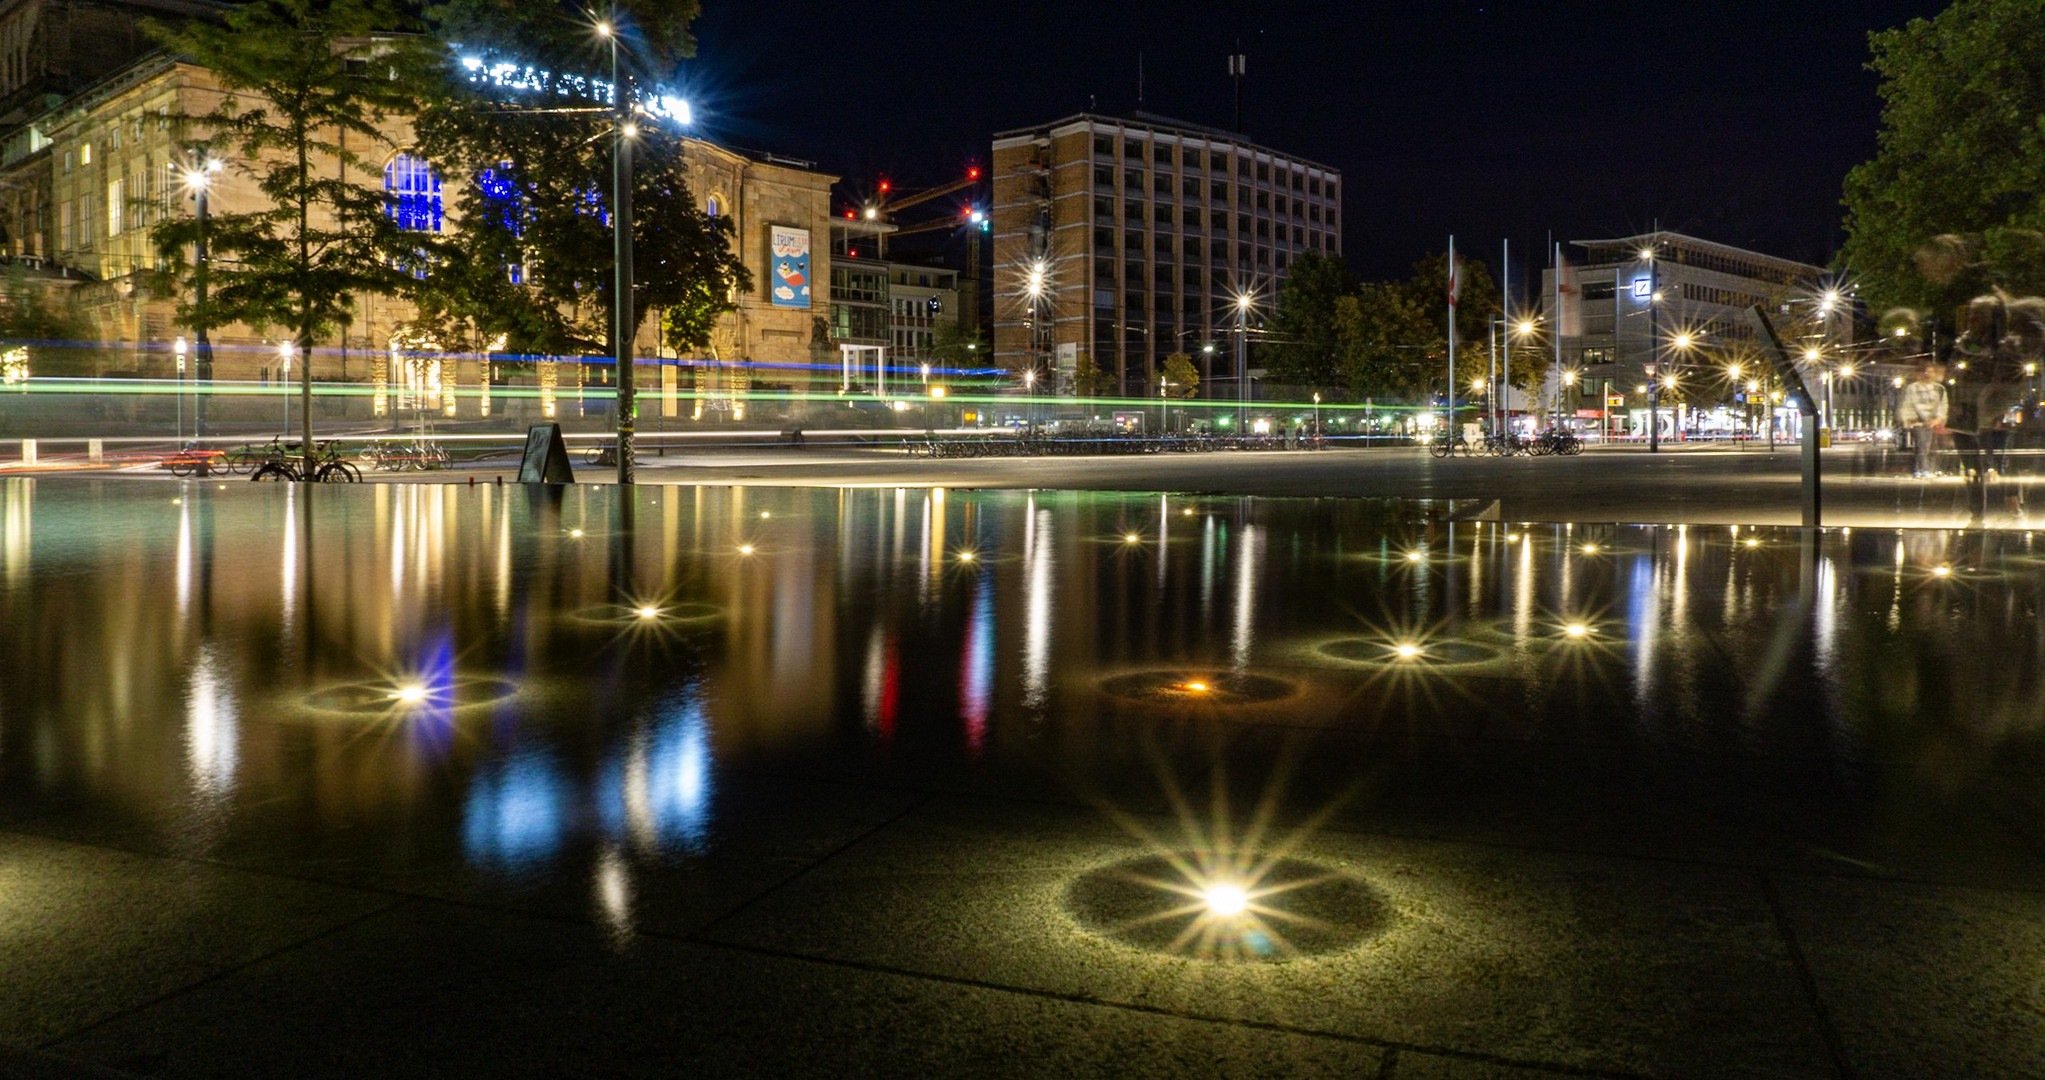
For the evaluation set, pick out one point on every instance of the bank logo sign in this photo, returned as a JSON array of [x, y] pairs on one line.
[[789, 281]]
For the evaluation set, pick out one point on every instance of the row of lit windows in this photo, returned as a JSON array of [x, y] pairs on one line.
[[1133, 243], [1189, 187], [1133, 207], [1192, 158]]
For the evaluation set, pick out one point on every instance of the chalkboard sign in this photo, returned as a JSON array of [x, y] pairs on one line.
[[546, 457]]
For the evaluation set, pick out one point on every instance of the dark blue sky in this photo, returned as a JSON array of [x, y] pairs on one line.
[[1732, 120]]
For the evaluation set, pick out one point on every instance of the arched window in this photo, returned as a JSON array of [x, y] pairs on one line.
[[415, 193], [714, 206]]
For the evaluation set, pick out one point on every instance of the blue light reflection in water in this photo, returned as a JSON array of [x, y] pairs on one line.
[[515, 814], [655, 789]]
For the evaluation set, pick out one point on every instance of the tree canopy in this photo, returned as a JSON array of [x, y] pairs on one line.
[[534, 262], [308, 84], [1953, 204], [1332, 332]]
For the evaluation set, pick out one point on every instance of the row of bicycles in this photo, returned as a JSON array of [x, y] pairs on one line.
[[1509, 444], [278, 461], [1085, 445]]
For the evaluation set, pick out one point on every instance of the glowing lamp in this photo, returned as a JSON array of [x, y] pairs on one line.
[[649, 612], [1226, 900]]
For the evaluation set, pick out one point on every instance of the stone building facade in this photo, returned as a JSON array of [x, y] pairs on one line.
[[107, 166]]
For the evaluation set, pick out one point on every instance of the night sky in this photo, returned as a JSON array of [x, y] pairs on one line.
[[1734, 121]]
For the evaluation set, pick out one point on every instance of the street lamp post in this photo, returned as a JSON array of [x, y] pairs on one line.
[[1242, 363], [199, 179], [1317, 419], [621, 232]]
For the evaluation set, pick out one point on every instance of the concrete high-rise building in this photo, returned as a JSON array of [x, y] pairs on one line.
[[1121, 241]]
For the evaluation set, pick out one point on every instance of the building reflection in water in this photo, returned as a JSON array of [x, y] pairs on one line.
[[175, 648]]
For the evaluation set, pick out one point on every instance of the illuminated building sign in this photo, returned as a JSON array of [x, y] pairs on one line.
[[519, 77], [1643, 287]]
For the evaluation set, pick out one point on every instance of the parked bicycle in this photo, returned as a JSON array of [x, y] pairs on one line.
[[327, 467], [1444, 445]]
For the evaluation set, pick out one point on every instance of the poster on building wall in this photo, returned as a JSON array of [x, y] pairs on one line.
[[790, 270]]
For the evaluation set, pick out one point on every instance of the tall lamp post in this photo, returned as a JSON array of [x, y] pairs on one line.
[[1243, 301], [621, 231], [199, 181]]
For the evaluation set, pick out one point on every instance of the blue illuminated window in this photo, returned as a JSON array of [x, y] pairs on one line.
[[415, 193]]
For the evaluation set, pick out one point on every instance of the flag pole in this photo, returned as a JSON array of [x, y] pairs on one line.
[[1557, 331], [1498, 380]]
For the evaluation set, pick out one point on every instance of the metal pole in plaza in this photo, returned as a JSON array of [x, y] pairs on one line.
[[1504, 358], [1654, 397], [1555, 329], [621, 232], [1242, 365], [179, 348], [1454, 283], [201, 180], [284, 380]]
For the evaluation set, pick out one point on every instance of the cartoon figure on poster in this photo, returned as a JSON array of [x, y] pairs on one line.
[[790, 286]]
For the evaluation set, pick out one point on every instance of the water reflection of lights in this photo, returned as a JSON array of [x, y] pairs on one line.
[[515, 812], [1185, 688], [212, 742], [575, 533], [1941, 571], [1406, 650], [655, 793], [1590, 549], [649, 612]]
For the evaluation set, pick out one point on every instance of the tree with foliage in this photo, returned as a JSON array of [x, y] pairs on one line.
[[1181, 375], [307, 85], [1301, 345], [534, 166], [1087, 377], [957, 346], [1953, 205], [1383, 334]]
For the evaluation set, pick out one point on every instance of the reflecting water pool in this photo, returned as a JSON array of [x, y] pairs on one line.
[[491, 687]]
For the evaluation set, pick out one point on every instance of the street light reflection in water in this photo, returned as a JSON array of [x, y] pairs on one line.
[[444, 672]]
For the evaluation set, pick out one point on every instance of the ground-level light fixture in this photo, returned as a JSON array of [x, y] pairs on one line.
[[1941, 571], [1576, 630], [649, 612], [1407, 650], [1226, 900], [745, 549], [410, 695], [1590, 549]]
